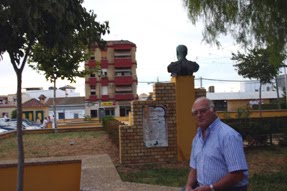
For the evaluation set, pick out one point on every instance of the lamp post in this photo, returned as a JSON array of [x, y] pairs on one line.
[[99, 74], [285, 82], [54, 98]]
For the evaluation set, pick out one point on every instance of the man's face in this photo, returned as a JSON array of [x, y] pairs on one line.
[[203, 113]]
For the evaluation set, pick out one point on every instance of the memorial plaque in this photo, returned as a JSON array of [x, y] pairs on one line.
[[155, 132]]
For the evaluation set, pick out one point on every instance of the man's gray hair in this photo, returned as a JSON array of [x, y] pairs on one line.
[[210, 102]]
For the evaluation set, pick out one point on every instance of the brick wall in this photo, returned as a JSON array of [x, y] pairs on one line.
[[132, 147]]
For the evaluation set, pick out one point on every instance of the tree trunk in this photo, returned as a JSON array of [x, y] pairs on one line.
[[20, 173]]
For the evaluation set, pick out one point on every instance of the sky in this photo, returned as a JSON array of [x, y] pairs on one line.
[[157, 27]]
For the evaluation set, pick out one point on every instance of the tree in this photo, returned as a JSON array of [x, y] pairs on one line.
[[26, 23], [251, 23], [257, 64], [62, 61]]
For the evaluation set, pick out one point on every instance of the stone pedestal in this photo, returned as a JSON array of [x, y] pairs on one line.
[[185, 123]]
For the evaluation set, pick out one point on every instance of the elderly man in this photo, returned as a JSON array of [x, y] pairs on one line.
[[217, 160]]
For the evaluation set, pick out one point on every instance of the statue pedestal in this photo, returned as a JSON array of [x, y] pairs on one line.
[[185, 123]]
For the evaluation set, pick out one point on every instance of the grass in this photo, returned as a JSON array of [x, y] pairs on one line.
[[267, 165], [59, 144], [269, 182], [267, 169], [157, 175]]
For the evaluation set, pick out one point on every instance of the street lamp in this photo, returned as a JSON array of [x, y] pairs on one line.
[[99, 74], [285, 82]]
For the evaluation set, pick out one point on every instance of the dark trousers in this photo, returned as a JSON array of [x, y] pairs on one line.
[[241, 188]]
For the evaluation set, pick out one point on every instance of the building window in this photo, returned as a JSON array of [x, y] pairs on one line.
[[124, 89], [61, 115], [123, 72], [93, 90], [104, 90], [104, 72], [220, 105], [94, 113], [122, 54], [109, 112], [124, 110]]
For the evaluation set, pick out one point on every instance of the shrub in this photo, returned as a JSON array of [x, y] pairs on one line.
[[111, 126]]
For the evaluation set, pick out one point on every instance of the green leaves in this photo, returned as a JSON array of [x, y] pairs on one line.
[[65, 31], [251, 23], [257, 64]]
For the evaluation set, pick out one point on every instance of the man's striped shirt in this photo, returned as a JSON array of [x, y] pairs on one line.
[[219, 153]]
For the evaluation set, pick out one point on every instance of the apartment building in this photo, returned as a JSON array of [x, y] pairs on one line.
[[113, 85]]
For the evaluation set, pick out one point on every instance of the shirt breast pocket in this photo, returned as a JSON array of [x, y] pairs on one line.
[[214, 152]]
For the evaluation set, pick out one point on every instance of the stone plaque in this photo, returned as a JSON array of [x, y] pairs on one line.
[[155, 132]]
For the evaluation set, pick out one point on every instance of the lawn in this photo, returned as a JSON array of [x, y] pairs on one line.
[[267, 168], [267, 165], [60, 144]]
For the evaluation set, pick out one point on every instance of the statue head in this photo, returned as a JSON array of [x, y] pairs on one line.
[[181, 51]]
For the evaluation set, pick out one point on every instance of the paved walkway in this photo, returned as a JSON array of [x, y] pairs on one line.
[[100, 174]]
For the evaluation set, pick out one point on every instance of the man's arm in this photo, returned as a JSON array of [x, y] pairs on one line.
[[225, 182], [191, 181], [228, 180]]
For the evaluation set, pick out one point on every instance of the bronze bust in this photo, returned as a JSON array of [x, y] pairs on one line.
[[182, 67]]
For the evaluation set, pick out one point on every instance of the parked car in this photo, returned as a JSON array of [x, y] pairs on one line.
[[4, 119], [2, 130], [28, 124], [6, 125], [12, 125]]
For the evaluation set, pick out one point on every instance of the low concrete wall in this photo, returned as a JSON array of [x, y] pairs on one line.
[[73, 173], [43, 175]]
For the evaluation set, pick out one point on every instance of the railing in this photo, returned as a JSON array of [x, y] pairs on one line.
[[123, 80], [120, 97], [122, 62]]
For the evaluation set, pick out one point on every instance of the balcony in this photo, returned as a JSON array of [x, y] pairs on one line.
[[123, 80], [105, 98], [123, 46], [123, 63], [104, 63], [93, 98], [91, 64], [124, 97], [92, 81]]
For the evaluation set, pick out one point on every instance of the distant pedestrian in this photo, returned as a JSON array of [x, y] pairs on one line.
[[5, 116], [38, 121], [45, 123], [53, 121]]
